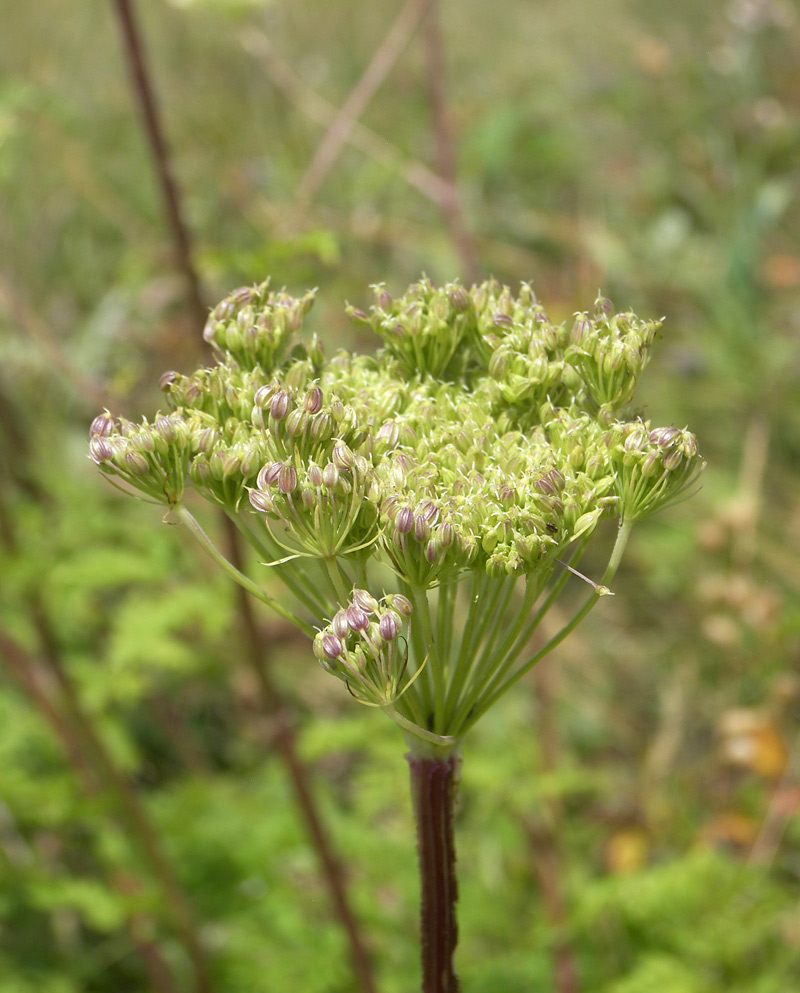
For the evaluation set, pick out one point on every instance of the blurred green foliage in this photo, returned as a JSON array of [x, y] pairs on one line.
[[650, 150]]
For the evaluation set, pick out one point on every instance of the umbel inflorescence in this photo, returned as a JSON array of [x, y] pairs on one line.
[[422, 506]]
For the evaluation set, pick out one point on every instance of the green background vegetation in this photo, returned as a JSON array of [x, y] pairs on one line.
[[647, 776]]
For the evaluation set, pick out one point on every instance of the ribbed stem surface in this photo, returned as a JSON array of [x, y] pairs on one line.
[[433, 789]]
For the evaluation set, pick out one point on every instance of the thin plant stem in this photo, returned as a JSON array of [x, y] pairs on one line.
[[205, 542], [446, 162], [296, 580], [434, 779], [154, 132], [274, 705], [362, 93], [318, 109]]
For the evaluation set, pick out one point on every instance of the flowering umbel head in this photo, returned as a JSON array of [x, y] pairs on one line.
[[483, 442], [363, 645]]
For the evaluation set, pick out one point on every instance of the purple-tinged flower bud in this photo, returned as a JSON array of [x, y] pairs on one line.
[[137, 463], [445, 535], [101, 450], [422, 529], [502, 321], [635, 441], [343, 456], [404, 520], [166, 428], [459, 299], [507, 494], [664, 437], [339, 624], [296, 422], [673, 459], [263, 397], [268, 476], [544, 485], [279, 407], [336, 408], [313, 400], [429, 511], [330, 476], [308, 497], [167, 380], [287, 479], [385, 300], [400, 603], [357, 619], [145, 441], [102, 426], [433, 552], [365, 600], [332, 646], [315, 475], [262, 502], [390, 626], [388, 432], [358, 315], [206, 441]]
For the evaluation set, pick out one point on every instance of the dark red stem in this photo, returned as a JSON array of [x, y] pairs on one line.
[[433, 790], [155, 135]]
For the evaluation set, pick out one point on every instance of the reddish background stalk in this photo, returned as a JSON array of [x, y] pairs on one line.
[[145, 94], [271, 699], [285, 742]]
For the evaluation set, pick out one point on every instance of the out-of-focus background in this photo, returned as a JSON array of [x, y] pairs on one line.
[[630, 815]]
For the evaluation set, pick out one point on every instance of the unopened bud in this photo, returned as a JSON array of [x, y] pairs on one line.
[[357, 619], [287, 479], [137, 463], [167, 380], [262, 502], [279, 407], [400, 603], [343, 457], [296, 422], [313, 400], [390, 626], [102, 426], [268, 476], [365, 600], [404, 520], [101, 450], [331, 646], [330, 476]]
